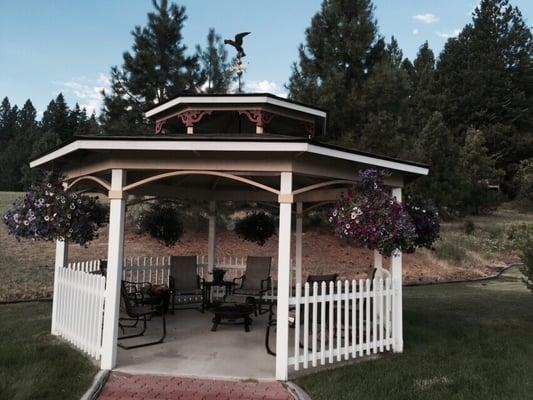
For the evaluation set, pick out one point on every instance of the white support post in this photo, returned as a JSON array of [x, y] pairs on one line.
[[299, 231], [211, 236], [115, 255], [378, 263], [396, 272], [61, 262], [284, 264]]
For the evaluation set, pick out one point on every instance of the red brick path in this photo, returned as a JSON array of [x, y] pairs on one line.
[[153, 387]]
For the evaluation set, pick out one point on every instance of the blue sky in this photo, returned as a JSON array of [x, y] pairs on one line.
[[68, 46]]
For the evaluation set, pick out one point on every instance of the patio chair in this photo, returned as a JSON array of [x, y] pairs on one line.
[[184, 282], [133, 304], [292, 313], [255, 282]]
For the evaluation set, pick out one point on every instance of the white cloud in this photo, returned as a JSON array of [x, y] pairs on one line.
[[265, 86], [447, 35], [427, 18], [415, 31], [87, 92]]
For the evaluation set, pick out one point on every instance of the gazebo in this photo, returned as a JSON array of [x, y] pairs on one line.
[[238, 147]]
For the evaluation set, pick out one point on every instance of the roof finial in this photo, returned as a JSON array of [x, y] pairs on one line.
[[237, 43]]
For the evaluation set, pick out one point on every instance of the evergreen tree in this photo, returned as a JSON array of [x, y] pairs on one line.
[[17, 150], [216, 71], [341, 49], [157, 69], [446, 182], [481, 171], [57, 118], [486, 78], [386, 94], [8, 120]]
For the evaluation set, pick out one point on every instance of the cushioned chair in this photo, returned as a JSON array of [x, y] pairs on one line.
[[255, 282], [184, 282]]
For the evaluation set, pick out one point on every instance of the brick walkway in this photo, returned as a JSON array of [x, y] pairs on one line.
[[153, 387]]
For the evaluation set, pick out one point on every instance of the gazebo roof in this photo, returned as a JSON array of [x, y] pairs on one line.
[[237, 152]]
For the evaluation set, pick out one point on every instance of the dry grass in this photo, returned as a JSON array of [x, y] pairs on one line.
[[26, 267]]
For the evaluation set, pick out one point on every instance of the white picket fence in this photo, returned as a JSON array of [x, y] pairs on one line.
[[79, 307], [340, 321]]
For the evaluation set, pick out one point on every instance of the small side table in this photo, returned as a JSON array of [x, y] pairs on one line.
[[208, 285]]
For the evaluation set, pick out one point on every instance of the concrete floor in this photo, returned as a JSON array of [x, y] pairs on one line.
[[191, 349]]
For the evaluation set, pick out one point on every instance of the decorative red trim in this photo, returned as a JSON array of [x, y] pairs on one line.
[[309, 128], [159, 125], [258, 117], [189, 118]]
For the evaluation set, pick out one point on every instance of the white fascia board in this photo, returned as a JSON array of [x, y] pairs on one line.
[[224, 146], [360, 158], [211, 100], [168, 146]]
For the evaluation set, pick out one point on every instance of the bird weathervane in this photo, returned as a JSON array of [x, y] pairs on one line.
[[237, 43]]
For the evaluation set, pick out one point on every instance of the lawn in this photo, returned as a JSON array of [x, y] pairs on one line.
[[462, 341], [35, 365]]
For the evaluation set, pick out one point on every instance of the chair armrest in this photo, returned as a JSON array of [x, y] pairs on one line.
[[268, 282], [241, 278]]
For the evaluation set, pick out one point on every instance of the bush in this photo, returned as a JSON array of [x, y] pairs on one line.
[[527, 259], [51, 212], [524, 183], [469, 227], [256, 227], [162, 222]]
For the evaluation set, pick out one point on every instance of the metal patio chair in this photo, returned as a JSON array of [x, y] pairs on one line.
[[184, 282], [134, 297], [255, 282]]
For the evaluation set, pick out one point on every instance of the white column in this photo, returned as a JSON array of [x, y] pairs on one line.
[[61, 261], [284, 262], [115, 255], [211, 247], [397, 316], [299, 231]]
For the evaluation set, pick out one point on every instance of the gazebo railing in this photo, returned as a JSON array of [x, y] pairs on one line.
[[340, 321]]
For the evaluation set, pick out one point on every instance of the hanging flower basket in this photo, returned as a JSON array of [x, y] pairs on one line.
[[425, 217], [49, 212], [162, 222], [256, 227], [369, 215]]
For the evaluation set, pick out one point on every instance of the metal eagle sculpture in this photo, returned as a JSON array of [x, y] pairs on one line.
[[237, 43]]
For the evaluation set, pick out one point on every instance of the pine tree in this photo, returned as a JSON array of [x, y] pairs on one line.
[[216, 71], [486, 78], [156, 70], [18, 149], [481, 171], [57, 118], [8, 120], [446, 182], [341, 49]]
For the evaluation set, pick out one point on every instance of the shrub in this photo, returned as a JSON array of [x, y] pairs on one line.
[[162, 222], [524, 183], [527, 259], [469, 227], [256, 227], [51, 212]]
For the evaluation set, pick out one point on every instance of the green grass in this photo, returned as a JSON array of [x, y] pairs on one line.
[[462, 341], [35, 365]]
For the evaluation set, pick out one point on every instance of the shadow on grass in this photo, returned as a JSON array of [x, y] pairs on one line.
[[462, 341], [33, 364]]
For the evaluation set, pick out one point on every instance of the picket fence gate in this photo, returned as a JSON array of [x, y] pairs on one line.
[[338, 321], [79, 308]]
